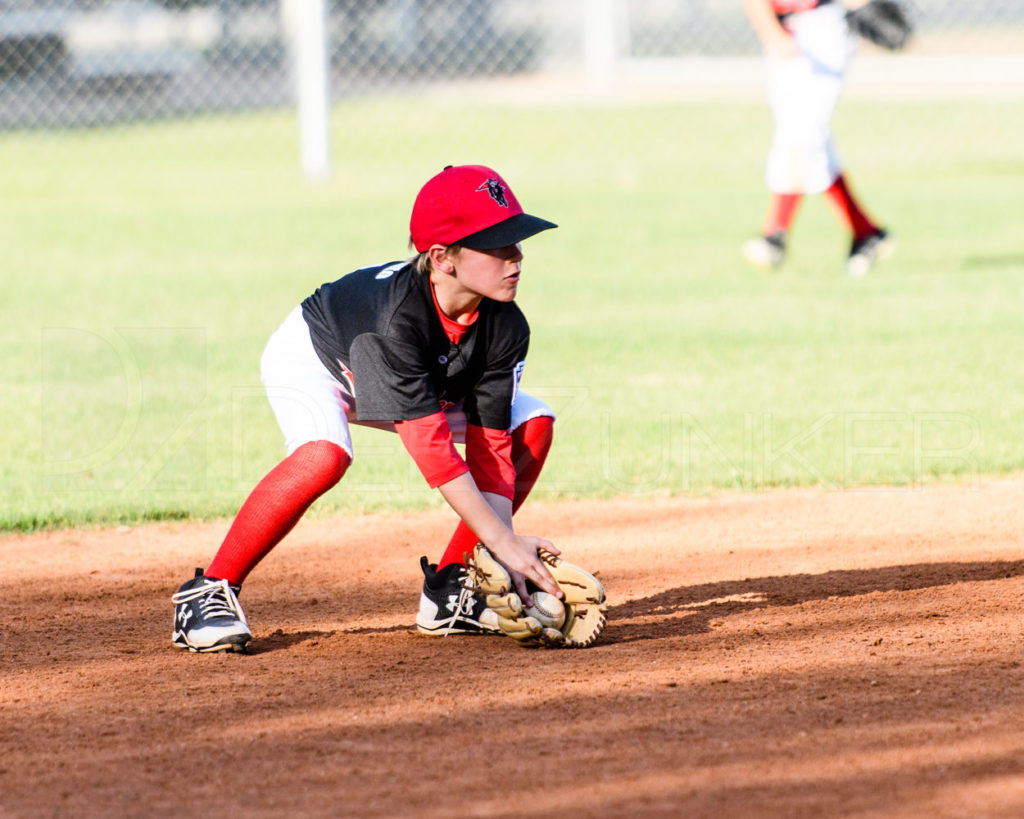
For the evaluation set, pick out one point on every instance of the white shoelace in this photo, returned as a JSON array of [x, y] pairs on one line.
[[464, 606], [219, 599]]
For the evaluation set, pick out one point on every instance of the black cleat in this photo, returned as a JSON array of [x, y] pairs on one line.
[[448, 606], [866, 251], [207, 616], [765, 252]]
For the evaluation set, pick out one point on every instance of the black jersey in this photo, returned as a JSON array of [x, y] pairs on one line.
[[377, 330]]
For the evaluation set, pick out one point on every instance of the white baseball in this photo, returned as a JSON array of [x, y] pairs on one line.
[[547, 609]]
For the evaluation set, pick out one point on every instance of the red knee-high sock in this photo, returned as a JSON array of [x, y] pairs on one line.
[[276, 505], [849, 211], [781, 212], [462, 543], [531, 443]]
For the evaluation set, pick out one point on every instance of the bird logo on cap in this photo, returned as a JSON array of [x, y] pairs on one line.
[[496, 191]]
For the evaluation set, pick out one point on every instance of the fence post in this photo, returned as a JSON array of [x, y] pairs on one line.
[[600, 43], [305, 22]]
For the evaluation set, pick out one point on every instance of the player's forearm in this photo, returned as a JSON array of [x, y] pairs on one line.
[[490, 517], [762, 17], [777, 41], [487, 514]]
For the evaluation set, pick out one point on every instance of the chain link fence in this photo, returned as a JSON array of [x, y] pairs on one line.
[[74, 63]]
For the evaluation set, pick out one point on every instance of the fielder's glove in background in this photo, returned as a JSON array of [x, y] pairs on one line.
[[584, 601], [883, 22]]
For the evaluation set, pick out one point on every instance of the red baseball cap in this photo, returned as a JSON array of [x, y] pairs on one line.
[[472, 206]]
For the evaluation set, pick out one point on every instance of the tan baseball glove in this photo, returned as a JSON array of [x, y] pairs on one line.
[[584, 601]]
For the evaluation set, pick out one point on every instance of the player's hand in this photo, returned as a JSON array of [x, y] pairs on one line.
[[519, 584], [518, 554]]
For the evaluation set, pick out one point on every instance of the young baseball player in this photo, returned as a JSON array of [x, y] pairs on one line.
[[808, 47], [432, 348]]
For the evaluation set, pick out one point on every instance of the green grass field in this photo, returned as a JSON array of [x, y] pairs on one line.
[[145, 266]]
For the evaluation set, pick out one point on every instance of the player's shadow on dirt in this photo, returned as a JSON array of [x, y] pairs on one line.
[[690, 609], [280, 640]]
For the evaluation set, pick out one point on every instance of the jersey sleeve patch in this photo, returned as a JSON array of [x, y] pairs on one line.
[[517, 376]]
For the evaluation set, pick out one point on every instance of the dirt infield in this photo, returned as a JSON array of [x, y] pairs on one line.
[[801, 653]]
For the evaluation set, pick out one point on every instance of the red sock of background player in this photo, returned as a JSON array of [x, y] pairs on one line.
[[531, 443], [849, 211], [781, 213], [275, 506]]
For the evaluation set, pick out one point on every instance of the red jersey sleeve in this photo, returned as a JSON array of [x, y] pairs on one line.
[[489, 455], [429, 442]]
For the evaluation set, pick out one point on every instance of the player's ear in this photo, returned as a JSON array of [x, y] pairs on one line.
[[440, 259]]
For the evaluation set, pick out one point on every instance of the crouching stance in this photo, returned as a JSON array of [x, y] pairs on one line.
[[432, 348]]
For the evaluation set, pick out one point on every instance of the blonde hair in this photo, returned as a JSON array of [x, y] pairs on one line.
[[421, 261]]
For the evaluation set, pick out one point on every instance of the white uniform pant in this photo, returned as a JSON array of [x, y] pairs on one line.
[[803, 92], [310, 404]]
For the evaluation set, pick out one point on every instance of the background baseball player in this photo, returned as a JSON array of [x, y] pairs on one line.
[[808, 45], [433, 348]]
